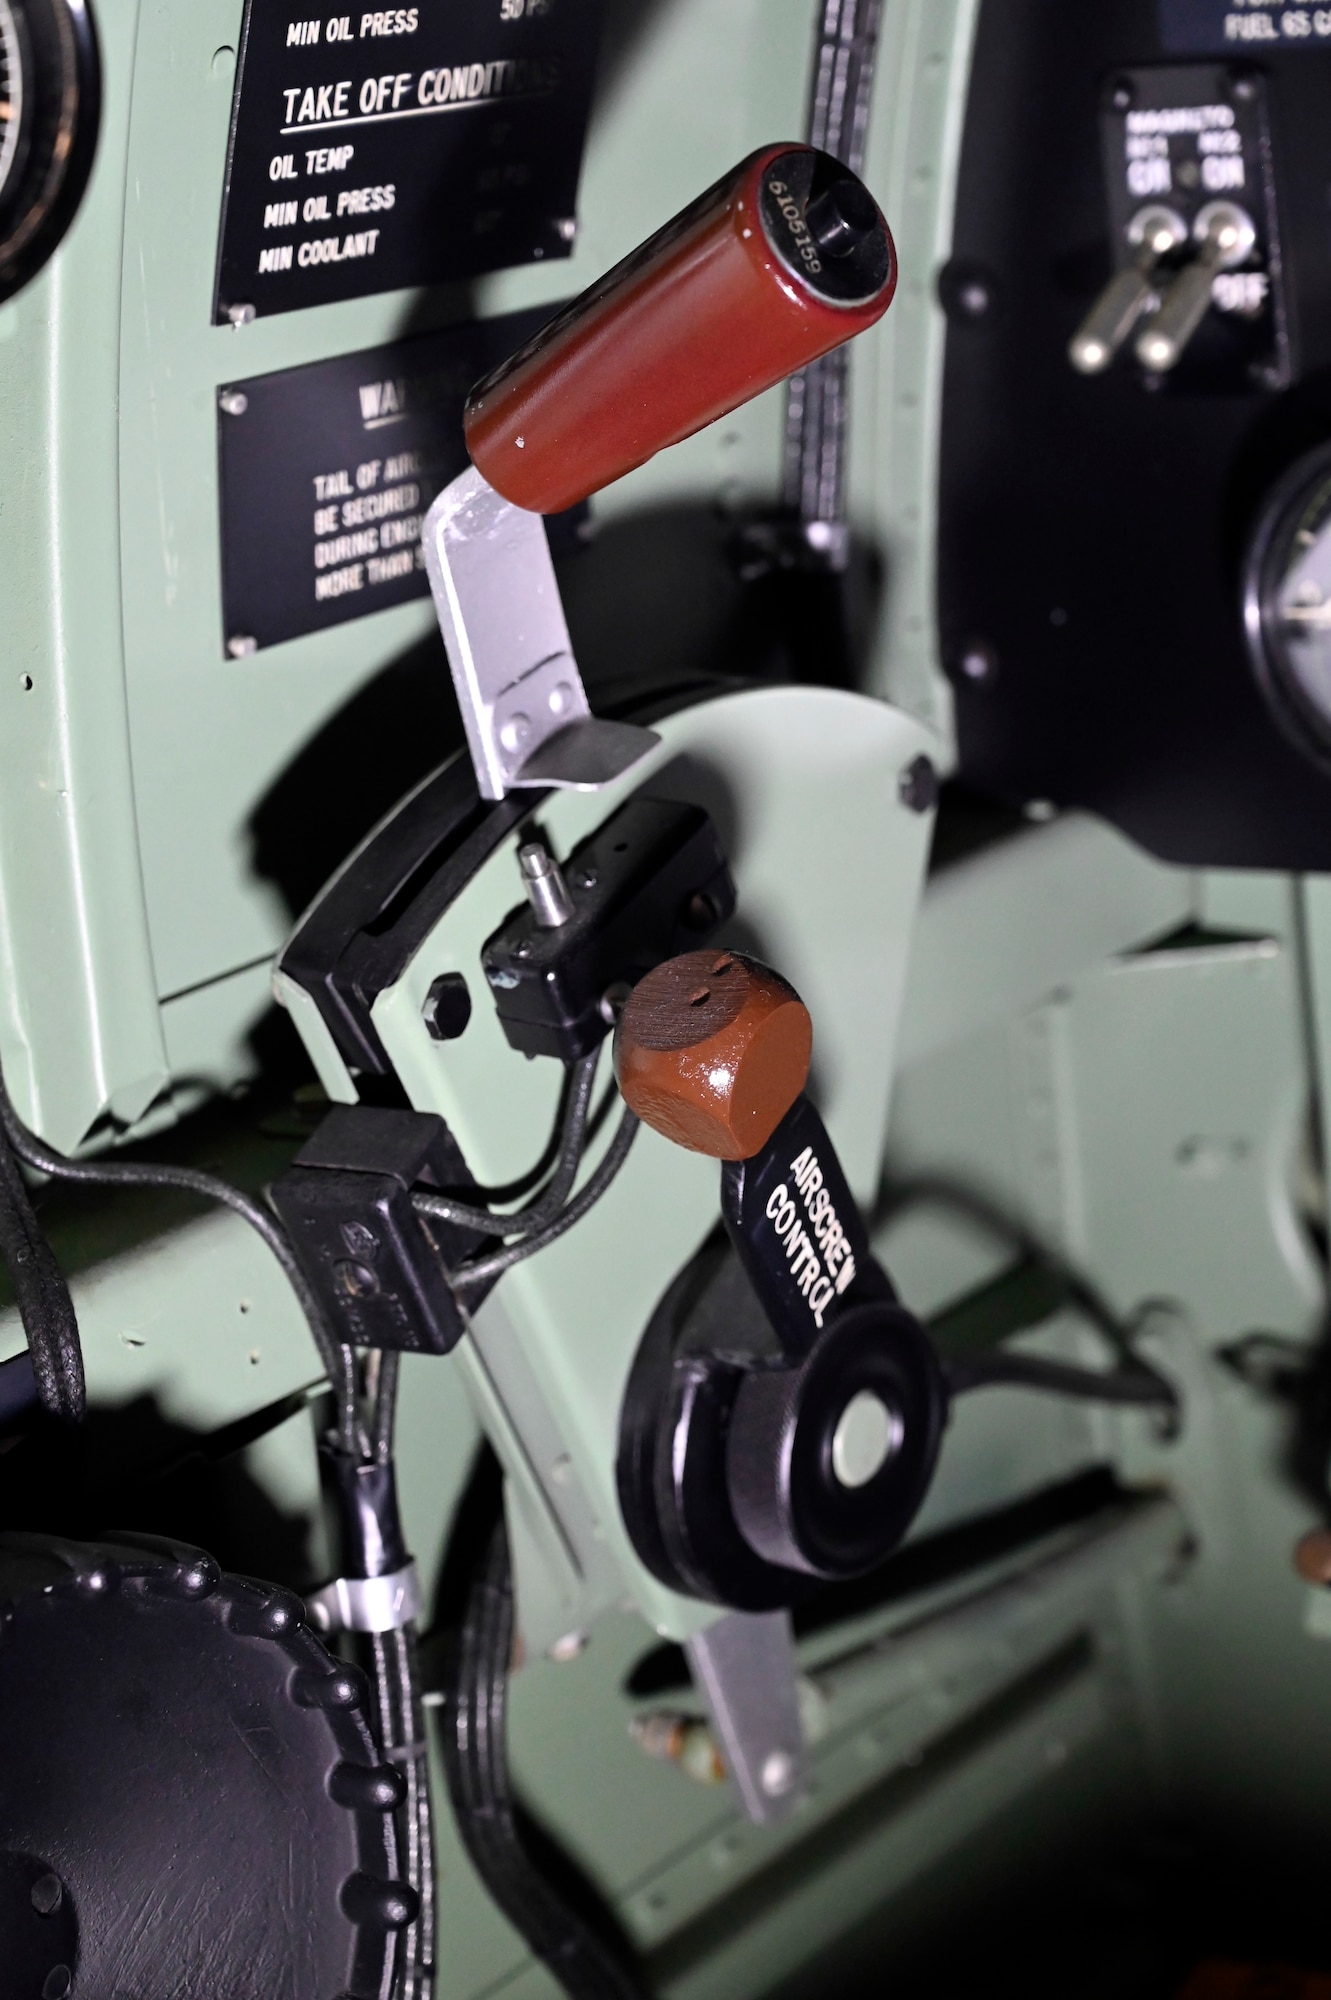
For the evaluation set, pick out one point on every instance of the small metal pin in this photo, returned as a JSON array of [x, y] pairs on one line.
[[547, 891]]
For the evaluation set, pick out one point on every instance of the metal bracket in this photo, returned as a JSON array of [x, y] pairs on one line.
[[524, 708], [367, 1603], [744, 1668]]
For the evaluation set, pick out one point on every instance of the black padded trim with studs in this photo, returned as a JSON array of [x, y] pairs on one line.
[[191, 1797]]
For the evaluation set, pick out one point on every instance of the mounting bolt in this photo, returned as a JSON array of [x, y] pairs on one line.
[[234, 401], [917, 787], [48, 1893], [778, 1773], [976, 662], [240, 645], [243, 315], [446, 1008]]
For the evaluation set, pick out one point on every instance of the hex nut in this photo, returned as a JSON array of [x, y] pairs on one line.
[[446, 1008]]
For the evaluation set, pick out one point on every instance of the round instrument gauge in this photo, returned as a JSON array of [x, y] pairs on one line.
[[1287, 603], [49, 100], [11, 93]]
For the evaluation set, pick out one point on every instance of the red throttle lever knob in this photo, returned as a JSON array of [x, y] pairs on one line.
[[781, 261]]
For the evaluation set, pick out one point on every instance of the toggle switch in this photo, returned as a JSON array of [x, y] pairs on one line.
[[1225, 237], [1156, 232]]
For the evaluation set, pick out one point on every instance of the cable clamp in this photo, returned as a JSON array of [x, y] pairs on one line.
[[367, 1603]]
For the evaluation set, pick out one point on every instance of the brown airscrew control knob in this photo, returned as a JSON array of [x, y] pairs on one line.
[[712, 1049], [1312, 1556]]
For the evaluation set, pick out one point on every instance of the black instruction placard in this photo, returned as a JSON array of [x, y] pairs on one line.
[[1241, 27], [400, 146], [327, 470]]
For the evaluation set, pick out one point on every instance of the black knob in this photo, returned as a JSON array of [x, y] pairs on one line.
[[827, 1463]]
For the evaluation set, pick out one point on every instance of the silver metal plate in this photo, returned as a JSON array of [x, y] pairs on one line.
[[524, 707]]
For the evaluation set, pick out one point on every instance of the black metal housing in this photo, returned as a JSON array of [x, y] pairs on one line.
[[381, 1274], [651, 882]]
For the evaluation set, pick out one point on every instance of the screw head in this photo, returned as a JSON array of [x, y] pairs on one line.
[[1123, 94], [48, 1893], [778, 1773], [234, 401], [242, 315], [968, 291], [568, 1647], [241, 645], [917, 787], [977, 663]]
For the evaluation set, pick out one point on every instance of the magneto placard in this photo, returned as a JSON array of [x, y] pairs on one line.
[[400, 147], [326, 471]]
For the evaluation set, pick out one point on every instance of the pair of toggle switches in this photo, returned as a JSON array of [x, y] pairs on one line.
[[1172, 305]]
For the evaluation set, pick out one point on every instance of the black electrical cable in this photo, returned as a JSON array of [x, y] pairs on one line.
[[338, 1360], [934, 1191], [537, 1213], [402, 1731], [1138, 1386], [492, 1265], [44, 1303], [385, 1407], [476, 1759], [523, 1184]]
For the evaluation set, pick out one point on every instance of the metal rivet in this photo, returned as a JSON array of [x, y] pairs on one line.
[[568, 1647], [48, 1893], [778, 1773], [917, 787], [977, 662]]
